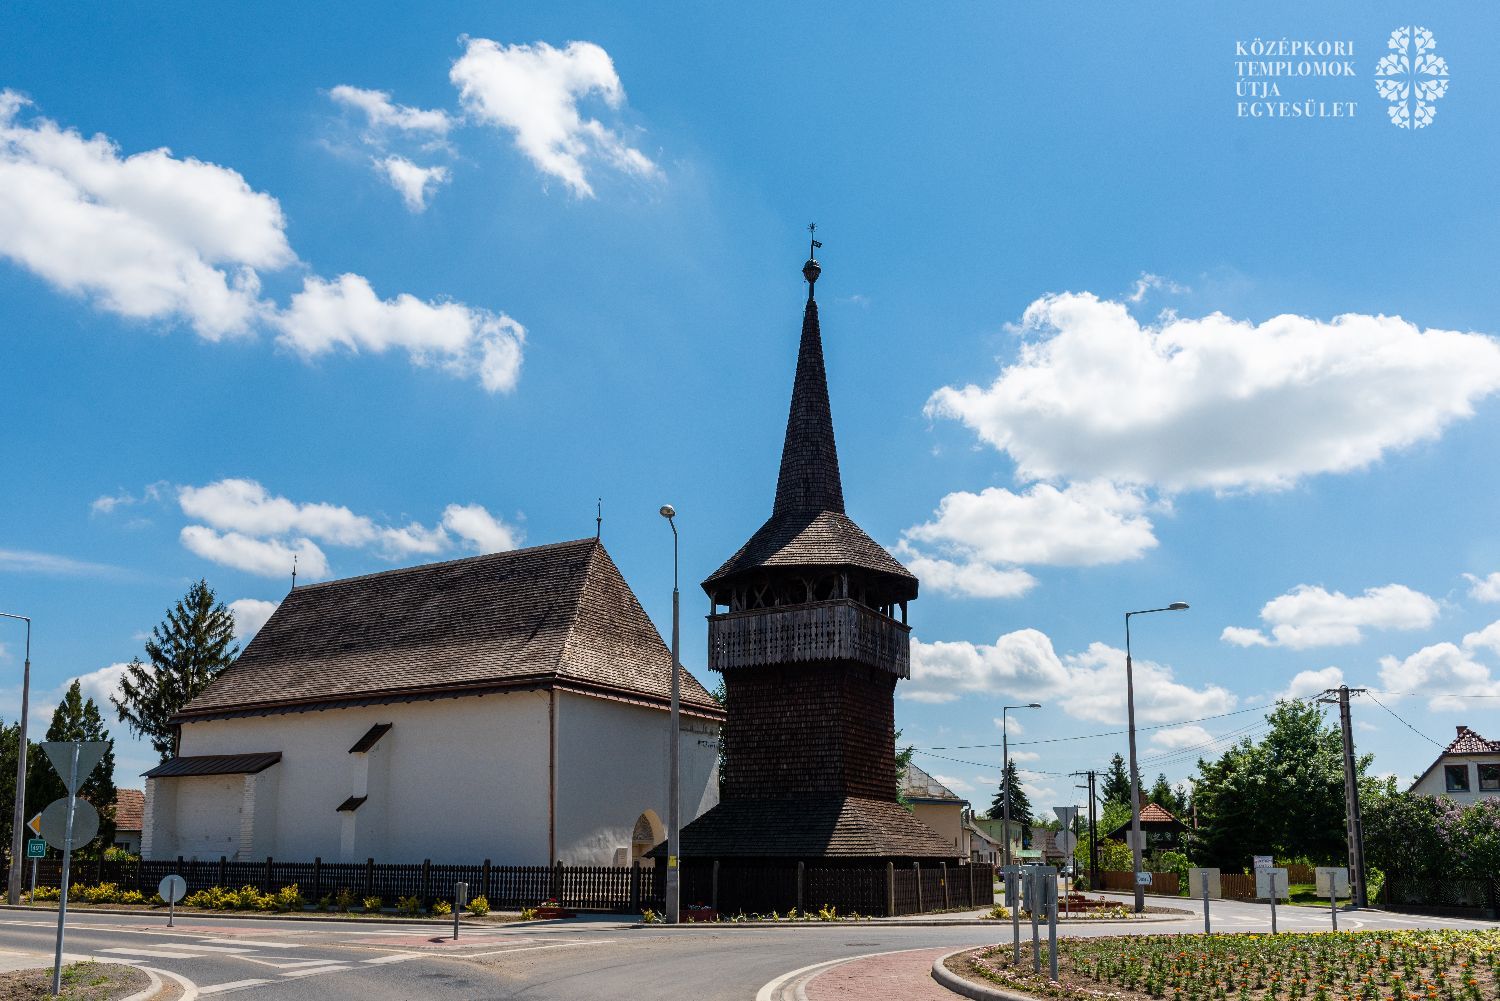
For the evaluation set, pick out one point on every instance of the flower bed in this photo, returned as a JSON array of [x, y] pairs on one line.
[[1358, 966]]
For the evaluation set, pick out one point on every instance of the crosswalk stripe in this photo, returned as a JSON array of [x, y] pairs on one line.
[[154, 953], [255, 942], [399, 957], [233, 985], [309, 973]]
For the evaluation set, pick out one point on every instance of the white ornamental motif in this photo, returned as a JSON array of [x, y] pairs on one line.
[[1411, 77]]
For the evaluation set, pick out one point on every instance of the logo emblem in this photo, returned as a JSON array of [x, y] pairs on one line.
[[1411, 77]]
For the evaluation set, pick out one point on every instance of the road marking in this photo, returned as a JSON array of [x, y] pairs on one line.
[[189, 989], [294, 965], [153, 953], [399, 957], [526, 948], [233, 985], [227, 950], [255, 942], [312, 973]]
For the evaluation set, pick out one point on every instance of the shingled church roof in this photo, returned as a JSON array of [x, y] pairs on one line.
[[555, 615], [808, 526], [811, 828]]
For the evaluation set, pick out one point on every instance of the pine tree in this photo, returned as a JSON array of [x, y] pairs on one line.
[[1020, 805], [187, 650], [1116, 787], [76, 718]]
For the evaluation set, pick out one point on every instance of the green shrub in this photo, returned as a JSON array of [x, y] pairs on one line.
[[410, 906], [45, 893], [441, 907], [827, 913], [480, 906], [528, 914], [344, 900], [132, 897], [288, 898], [373, 905], [648, 916], [999, 913]]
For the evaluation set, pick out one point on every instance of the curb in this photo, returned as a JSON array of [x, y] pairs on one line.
[[887, 923], [968, 988], [272, 916]]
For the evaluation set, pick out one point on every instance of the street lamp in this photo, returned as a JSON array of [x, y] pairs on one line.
[[1005, 772], [1135, 777], [19, 819], [674, 833]]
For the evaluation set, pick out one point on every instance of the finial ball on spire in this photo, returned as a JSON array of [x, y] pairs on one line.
[[811, 270]]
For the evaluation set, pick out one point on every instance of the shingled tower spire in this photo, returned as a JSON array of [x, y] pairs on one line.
[[809, 630]]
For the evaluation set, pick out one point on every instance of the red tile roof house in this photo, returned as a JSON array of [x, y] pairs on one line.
[[1467, 771], [510, 707], [130, 806]]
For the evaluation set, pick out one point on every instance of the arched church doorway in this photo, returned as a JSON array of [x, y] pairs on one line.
[[648, 833]]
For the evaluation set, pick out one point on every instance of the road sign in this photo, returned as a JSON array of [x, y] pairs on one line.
[[1065, 814], [172, 889], [1264, 862], [1143, 879], [1066, 841], [1268, 878], [60, 753], [55, 823], [35, 823], [1333, 881], [36, 848]]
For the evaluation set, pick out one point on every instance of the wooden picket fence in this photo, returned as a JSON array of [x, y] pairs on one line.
[[1236, 886], [588, 888], [1123, 881]]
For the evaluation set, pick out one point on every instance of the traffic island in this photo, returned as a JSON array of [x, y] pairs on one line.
[[1446, 965], [80, 982]]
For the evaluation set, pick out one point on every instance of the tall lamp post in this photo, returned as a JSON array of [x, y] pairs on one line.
[[18, 821], [673, 888], [1005, 772], [1135, 775]]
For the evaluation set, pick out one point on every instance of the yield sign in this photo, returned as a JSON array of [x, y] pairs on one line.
[[1065, 814], [35, 823], [60, 753]]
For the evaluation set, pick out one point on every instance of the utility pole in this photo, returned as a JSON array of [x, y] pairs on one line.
[[1355, 826], [1093, 833]]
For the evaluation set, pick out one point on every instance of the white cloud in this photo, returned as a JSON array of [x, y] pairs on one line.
[[153, 237], [144, 236], [28, 561], [1485, 588], [412, 181], [1305, 683], [971, 579], [533, 91], [249, 615], [99, 685], [249, 528], [1487, 638], [1088, 685], [1309, 616], [1177, 737], [381, 113], [1015, 726], [1148, 282], [1215, 402], [266, 557], [346, 313], [1442, 673], [481, 530]]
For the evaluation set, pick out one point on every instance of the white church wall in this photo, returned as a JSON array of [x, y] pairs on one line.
[[454, 780], [612, 767]]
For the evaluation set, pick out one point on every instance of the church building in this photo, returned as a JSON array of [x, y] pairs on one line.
[[510, 707]]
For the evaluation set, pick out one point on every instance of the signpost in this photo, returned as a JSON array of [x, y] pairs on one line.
[[1333, 882], [1066, 841], [73, 760], [36, 848], [460, 898], [1013, 898], [1271, 882], [172, 889]]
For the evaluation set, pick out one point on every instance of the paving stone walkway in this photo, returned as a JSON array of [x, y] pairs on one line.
[[897, 976]]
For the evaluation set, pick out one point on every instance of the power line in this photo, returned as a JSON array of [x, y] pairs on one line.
[[1403, 722]]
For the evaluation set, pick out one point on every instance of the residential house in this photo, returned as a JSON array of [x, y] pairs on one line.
[[1468, 770], [937, 806], [130, 806], [510, 707]]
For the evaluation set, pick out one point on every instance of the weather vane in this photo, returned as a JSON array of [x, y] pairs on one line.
[[812, 230]]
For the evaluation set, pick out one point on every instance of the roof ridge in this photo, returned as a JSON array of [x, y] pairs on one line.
[[571, 625], [393, 571]]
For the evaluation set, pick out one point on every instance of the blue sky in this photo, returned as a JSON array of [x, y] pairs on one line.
[[378, 287]]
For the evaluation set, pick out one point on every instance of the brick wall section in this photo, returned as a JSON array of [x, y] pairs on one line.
[[811, 728]]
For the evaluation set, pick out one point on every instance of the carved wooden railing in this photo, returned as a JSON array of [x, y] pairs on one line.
[[826, 630]]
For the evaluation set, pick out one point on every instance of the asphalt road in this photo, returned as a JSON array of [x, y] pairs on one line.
[[584, 960]]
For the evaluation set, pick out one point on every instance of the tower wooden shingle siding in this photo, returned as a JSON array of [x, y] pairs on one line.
[[809, 632]]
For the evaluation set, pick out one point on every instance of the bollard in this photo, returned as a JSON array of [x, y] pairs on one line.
[[460, 898], [1013, 894], [1333, 902], [1207, 928], [1273, 903]]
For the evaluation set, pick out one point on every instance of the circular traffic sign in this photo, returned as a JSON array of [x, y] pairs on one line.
[[55, 823], [172, 889]]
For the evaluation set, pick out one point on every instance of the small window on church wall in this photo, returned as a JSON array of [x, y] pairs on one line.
[[1489, 778], [1456, 778]]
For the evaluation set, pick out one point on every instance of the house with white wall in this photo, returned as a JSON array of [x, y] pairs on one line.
[[937, 806], [1467, 771], [511, 707]]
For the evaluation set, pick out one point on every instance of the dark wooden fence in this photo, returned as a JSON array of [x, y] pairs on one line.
[[1446, 897], [876, 889], [591, 888], [1124, 882], [1236, 886]]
